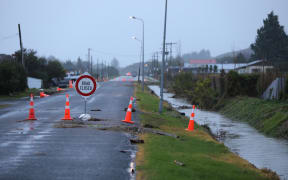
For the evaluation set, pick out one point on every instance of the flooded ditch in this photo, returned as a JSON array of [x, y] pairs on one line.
[[239, 137]]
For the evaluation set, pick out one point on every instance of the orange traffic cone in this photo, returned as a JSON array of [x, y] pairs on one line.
[[67, 109], [129, 113], [191, 122], [31, 110], [70, 84], [59, 89], [42, 94]]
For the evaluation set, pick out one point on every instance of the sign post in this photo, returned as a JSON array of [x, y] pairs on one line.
[[85, 86]]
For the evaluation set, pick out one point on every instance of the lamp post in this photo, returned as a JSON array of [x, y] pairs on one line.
[[163, 62], [143, 27], [140, 56]]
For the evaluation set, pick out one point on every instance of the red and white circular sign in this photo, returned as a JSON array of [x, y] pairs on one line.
[[85, 85]]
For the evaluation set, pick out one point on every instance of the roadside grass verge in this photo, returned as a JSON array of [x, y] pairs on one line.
[[269, 117], [203, 157], [27, 93], [4, 105]]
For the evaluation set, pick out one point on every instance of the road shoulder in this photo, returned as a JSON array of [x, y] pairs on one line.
[[194, 155]]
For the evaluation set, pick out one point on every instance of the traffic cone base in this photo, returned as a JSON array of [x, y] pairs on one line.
[[190, 126], [131, 122]]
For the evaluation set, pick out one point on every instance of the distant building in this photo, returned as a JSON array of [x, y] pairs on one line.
[[195, 63], [255, 67]]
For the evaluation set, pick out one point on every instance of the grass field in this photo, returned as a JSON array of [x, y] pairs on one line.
[[269, 117], [203, 157]]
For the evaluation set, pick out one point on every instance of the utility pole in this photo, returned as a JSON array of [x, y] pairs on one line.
[[97, 70], [157, 64], [170, 51], [102, 70], [89, 60], [21, 46], [163, 62], [91, 65]]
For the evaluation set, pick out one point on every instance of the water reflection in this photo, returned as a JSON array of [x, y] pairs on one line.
[[240, 137]]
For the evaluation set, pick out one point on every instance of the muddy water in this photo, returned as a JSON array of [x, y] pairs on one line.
[[240, 138]]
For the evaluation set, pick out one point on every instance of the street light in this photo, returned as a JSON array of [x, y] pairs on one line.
[[140, 56], [143, 27], [163, 61]]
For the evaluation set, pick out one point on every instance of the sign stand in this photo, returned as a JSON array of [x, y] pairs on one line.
[[85, 101], [85, 86]]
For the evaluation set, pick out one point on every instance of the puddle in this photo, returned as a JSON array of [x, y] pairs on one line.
[[239, 137]]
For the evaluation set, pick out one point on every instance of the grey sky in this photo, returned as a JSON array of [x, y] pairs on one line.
[[66, 28]]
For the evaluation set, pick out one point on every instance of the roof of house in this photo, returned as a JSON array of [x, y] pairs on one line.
[[250, 64]]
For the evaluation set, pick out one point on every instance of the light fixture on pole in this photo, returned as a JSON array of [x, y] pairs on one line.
[[143, 28]]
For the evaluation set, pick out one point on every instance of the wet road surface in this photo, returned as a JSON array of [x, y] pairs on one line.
[[38, 150]]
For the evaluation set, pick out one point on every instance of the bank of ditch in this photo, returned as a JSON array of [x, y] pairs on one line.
[[269, 117], [194, 155]]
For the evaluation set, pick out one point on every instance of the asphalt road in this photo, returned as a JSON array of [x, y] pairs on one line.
[[37, 150]]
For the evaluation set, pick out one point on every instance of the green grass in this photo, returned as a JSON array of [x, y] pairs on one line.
[[26, 93], [269, 117], [4, 105], [20, 94], [204, 158]]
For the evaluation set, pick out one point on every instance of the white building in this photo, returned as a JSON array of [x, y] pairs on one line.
[[255, 67]]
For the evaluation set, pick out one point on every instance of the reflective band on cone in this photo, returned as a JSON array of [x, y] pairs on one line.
[[67, 109]]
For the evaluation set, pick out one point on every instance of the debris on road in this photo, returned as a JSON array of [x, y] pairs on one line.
[[95, 110], [136, 141], [85, 117]]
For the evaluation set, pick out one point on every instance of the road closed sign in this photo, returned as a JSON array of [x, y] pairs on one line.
[[85, 85]]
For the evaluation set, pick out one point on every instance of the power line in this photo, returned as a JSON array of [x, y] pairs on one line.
[[114, 54], [9, 37]]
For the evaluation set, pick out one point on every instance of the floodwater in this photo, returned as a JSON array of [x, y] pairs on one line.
[[239, 137]]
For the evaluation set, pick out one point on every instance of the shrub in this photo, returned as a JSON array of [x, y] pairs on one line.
[[241, 84], [204, 95], [183, 82], [13, 77]]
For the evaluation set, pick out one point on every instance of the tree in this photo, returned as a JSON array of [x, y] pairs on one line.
[[206, 68], [13, 77], [115, 63], [69, 66], [240, 58], [210, 68], [55, 70], [80, 66], [215, 69], [271, 42]]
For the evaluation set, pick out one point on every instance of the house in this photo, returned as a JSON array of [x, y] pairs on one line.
[[196, 63], [258, 66], [197, 66]]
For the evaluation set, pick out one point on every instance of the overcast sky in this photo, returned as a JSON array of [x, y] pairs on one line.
[[67, 28]]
